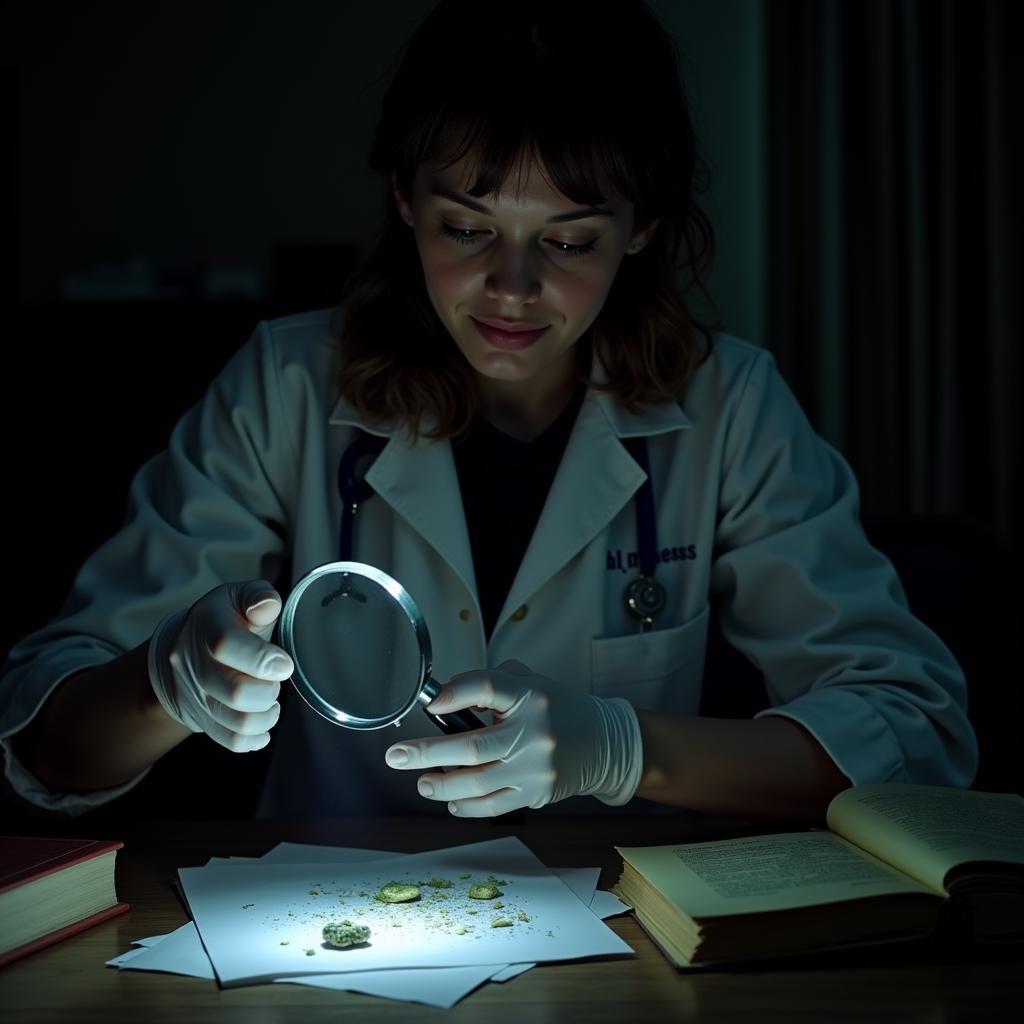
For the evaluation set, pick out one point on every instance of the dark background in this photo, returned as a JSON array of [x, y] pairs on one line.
[[171, 173]]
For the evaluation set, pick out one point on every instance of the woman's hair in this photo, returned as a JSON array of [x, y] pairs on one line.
[[592, 89]]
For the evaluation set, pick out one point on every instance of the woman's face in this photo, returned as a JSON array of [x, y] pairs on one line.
[[538, 261]]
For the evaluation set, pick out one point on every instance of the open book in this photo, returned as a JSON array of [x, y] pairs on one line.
[[896, 862]]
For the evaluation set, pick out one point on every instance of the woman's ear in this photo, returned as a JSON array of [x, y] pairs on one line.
[[401, 201], [641, 237]]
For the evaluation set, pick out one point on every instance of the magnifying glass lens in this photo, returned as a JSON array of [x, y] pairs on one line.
[[353, 646]]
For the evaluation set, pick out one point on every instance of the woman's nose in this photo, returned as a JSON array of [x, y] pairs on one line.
[[512, 279]]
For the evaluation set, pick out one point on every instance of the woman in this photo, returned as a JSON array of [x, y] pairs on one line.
[[555, 425]]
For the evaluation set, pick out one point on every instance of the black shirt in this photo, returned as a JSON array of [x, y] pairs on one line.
[[504, 484]]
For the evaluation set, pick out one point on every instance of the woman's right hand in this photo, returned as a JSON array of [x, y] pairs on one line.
[[214, 670]]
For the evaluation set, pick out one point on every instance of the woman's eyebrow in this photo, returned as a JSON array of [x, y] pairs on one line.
[[559, 218]]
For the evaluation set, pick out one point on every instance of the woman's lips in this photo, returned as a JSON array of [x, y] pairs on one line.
[[509, 340]]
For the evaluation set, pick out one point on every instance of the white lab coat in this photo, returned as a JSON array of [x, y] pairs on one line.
[[751, 505]]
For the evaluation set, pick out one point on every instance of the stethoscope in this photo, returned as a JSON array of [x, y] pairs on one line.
[[643, 596]]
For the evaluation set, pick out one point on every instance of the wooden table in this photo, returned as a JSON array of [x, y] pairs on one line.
[[68, 982]]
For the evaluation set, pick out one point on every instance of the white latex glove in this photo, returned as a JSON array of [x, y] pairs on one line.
[[213, 670], [547, 743]]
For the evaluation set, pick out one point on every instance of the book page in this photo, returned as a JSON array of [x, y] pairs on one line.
[[925, 831], [759, 873]]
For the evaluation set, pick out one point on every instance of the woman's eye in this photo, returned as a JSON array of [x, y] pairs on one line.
[[468, 236], [464, 236], [568, 249]]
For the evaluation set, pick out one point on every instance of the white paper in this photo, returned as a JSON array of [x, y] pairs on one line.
[[607, 904], [123, 958], [435, 986], [244, 912], [179, 952], [442, 986], [510, 972]]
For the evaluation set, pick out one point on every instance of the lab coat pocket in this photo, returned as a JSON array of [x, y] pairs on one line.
[[662, 669]]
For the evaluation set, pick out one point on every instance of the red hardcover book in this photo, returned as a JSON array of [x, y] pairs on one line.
[[52, 888]]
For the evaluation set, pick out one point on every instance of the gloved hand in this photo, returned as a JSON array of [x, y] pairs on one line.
[[213, 670], [547, 743]]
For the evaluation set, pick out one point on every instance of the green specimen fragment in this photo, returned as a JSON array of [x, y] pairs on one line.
[[342, 934], [310, 952], [398, 892], [502, 922], [484, 891], [284, 942], [522, 915], [246, 906]]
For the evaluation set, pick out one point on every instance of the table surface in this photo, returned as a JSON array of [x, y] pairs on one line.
[[68, 981]]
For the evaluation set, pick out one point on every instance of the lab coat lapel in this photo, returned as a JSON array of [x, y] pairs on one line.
[[597, 477], [421, 485], [419, 482]]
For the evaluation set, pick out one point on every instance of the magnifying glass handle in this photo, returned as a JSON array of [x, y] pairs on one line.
[[455, 721]]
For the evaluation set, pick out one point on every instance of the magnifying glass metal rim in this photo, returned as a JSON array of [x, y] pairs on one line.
[[422, 693]]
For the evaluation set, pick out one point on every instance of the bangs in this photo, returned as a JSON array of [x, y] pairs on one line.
[[500, 151]]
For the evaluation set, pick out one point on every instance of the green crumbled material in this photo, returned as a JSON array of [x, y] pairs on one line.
[[465, 875], [398, 892], [310, 952], [484, 891], [502, 922], [460, 930], [499, 905], [342, 934], [313, 892], [284, 942], [438, 883], [522, 915], [246, 906]]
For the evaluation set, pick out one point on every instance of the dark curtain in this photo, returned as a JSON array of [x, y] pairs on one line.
[[894, 271]]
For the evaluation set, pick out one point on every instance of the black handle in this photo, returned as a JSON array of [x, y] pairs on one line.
[[455, 721]]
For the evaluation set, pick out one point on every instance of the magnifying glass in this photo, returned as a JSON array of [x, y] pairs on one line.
[[361, 649]]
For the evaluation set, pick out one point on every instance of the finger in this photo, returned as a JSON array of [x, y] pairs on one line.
[[234, 741], [245, 723], [264, 611], [467, 783], [490, 806], [245, 652], [477, 746], [259, 602], [490, 689], [239, 691]]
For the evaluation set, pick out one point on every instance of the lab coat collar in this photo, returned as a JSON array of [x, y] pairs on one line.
[[595, 480]]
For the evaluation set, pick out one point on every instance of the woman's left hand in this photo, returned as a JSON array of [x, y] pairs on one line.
[[547, 743]]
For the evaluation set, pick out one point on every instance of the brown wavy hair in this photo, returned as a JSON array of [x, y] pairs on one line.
[[591, 88]]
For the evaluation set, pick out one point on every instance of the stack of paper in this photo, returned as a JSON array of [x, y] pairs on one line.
[[262, 920]]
